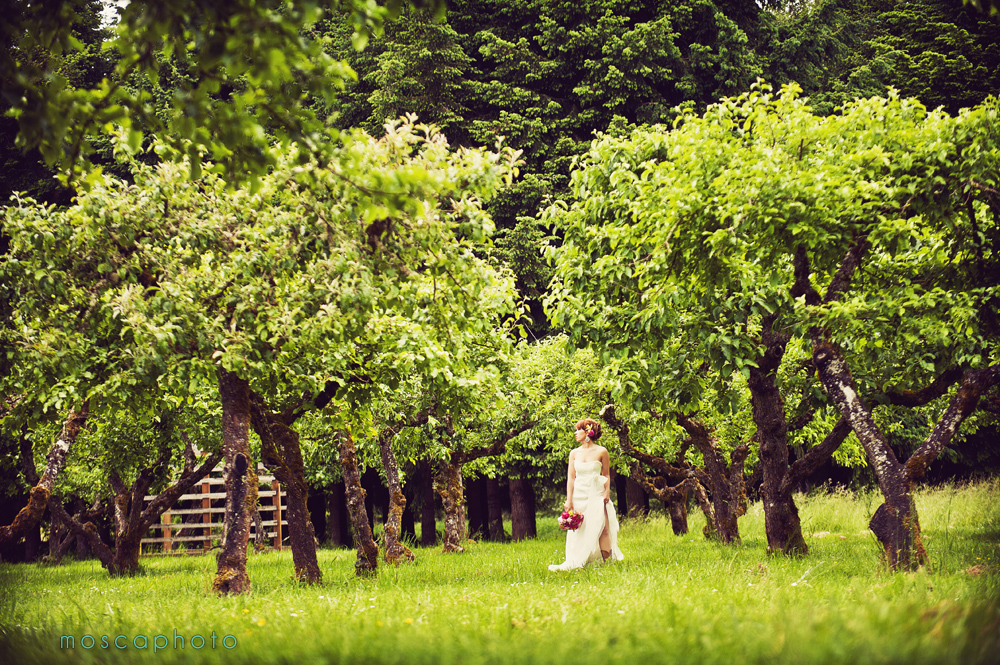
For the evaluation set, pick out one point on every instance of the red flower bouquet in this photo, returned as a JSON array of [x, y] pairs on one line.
[[570, 520]]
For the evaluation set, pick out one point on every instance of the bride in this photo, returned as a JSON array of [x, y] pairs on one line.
[[588, 492]]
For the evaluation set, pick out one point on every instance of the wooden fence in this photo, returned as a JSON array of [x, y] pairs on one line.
[[198, 535]]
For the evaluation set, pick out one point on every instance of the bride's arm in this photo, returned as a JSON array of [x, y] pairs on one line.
[[606, 472], [570, 477]]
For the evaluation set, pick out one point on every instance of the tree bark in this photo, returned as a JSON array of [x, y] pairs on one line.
[[282, 455], [475, 506], [638, 500], [338, 524], [395, 550], [494, 510], [132, 519], [241, 485], [781, 516], [680, 473], [367, 561], [895, 523], [449, 485], [30, 516], [87, 531], [522, 509], [674, 498], [428, 518], [728, 498], [676, 507]]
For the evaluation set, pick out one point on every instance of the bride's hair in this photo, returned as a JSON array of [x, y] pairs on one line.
[[592, 426]]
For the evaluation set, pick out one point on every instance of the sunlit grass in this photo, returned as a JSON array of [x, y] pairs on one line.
[[673, 600]]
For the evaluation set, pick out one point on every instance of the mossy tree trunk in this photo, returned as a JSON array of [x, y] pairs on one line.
[[241, 485], [282, 455], [395, 551], [728, 496], [448, 484], [31, 515], [367, 561], [132, 518]]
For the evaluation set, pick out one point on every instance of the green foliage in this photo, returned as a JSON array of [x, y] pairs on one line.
[[158, 284], [258, 54], [678, 243], [940, 52]]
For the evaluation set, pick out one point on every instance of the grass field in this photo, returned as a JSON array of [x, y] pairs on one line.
[[673, 600]]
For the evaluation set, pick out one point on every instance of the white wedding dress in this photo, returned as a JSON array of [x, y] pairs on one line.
[[583, 545]]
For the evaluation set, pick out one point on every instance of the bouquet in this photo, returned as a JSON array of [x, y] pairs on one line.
[[570, 520]]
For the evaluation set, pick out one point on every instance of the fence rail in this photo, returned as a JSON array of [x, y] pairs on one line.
[[169, 532]]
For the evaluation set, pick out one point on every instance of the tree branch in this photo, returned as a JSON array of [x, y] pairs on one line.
[[938, 387], [816, 456], [974, 383], [88, 531], [499, 444], [169, 496]]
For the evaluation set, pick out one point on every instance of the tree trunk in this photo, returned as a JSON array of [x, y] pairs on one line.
[[781, 515], [475, 506], [337, 524], [638, 500], [673, 498], [126, 557], [687, 477], [428, 518], [701, 496], [132, 518], [676, 507], [395, 551], [728, 498], [57, 534], [449, 485], [87, 531], [494, 510], [317, 511], [30, 516], [241, 485], [82, 549], [282, 455], [367, 561], [522, 509]]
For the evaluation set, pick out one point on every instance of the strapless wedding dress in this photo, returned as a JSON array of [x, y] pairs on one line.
[[583, 545]]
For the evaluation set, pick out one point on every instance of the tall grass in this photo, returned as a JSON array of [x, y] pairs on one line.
[[673, 600]]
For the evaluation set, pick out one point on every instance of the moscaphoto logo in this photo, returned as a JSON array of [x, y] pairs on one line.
[[154, 642]]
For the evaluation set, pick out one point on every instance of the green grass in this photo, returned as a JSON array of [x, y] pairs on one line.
[[673, 600]]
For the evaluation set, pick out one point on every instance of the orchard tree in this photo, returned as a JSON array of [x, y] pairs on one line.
[[135, 458], [868, 236], [255, 294]]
